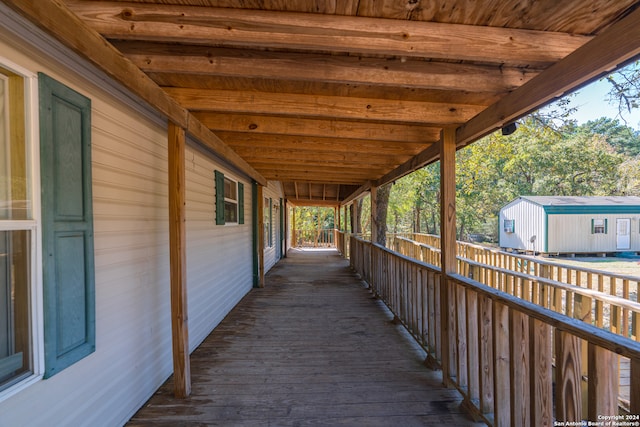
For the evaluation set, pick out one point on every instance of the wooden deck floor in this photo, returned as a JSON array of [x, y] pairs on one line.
[[310, 349]]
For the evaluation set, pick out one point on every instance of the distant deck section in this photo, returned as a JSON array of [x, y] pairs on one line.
[[311, 348]]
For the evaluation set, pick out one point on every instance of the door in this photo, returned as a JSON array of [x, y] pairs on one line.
[[623, 233]]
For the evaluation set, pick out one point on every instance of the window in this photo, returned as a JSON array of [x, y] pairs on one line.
[[229, 200], [509, 225], [17, 235], [268, 220], [599, 226]]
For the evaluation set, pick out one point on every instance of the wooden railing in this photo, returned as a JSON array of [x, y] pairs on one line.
[[316, 238], [607, 300], [506, 355]]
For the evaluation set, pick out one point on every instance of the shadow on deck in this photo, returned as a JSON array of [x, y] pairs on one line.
[[311, 348]]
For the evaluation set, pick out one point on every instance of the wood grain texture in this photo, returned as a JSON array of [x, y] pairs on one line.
[[178, 261], [257, 64], [568, 377], [311, 348], [603, 382], [329, 128], [315, 106], [541, 382]]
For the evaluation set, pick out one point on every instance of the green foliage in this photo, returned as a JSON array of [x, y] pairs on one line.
[[597, 158], [312, 218]]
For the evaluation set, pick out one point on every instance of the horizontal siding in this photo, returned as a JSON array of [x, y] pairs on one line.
[[218, 256], [529, 221], [133, 322]]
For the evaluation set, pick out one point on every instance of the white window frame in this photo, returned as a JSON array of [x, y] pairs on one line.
[[230, 200], [32, 225], [511, 225], [599, 228]]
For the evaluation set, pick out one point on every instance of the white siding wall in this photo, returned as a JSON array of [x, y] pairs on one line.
[[133, 331], [273, 191], [572, 233], [219, 257], [529, 221]]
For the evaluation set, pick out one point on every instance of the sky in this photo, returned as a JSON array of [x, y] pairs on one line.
[[592, 104]]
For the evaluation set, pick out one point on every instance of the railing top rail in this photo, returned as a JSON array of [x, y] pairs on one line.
[[543, 262], [600, 337], [612, 299]]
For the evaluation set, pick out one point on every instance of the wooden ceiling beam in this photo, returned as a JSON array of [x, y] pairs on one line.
[[611, 49], [326, 33], [323, 106], [320, 144], [367, 162], [314, 202], [396, 72], [269, 124], [352, 159], [57, 20]]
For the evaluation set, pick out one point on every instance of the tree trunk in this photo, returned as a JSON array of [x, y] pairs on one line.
[[381, 212]]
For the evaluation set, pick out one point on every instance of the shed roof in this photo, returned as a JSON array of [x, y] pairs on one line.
[[584, 200]]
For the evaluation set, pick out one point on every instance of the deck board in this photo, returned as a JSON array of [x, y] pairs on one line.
[[312, 348]]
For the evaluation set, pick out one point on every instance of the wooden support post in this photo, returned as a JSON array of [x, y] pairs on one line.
[[355, 227], [374, 216], [294, 237], [635, 386], [447, 242], [178, 262]]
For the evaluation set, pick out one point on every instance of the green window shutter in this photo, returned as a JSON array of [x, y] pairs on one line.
[[67, 225], [606, 226], [270, 221], [281, 220], [219, 198], [255, 234], [593, 226], [240, 203]]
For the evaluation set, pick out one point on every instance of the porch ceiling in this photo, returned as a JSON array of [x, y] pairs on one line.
[[328, 96]]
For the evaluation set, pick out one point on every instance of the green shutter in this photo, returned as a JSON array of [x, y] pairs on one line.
[[606, 226], [240, 203], [270, 222], [67, 225], [593, 226], [255, 234], [219, 198]]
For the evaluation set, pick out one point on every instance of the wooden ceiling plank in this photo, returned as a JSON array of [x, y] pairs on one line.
[[280, 157], [614, 47], [328, 33], [323, 106], [151, 57], [319, 144], [313, 202], [56, 19], [269, 124]]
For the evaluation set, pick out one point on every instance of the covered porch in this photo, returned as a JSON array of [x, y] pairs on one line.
[[312, 348]]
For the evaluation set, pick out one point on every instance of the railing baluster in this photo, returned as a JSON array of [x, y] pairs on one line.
[[603, 382], [568, 377], [501, 365], [519, 362], [541, 381]]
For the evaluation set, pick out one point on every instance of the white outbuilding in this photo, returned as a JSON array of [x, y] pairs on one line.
[[571, 224]]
